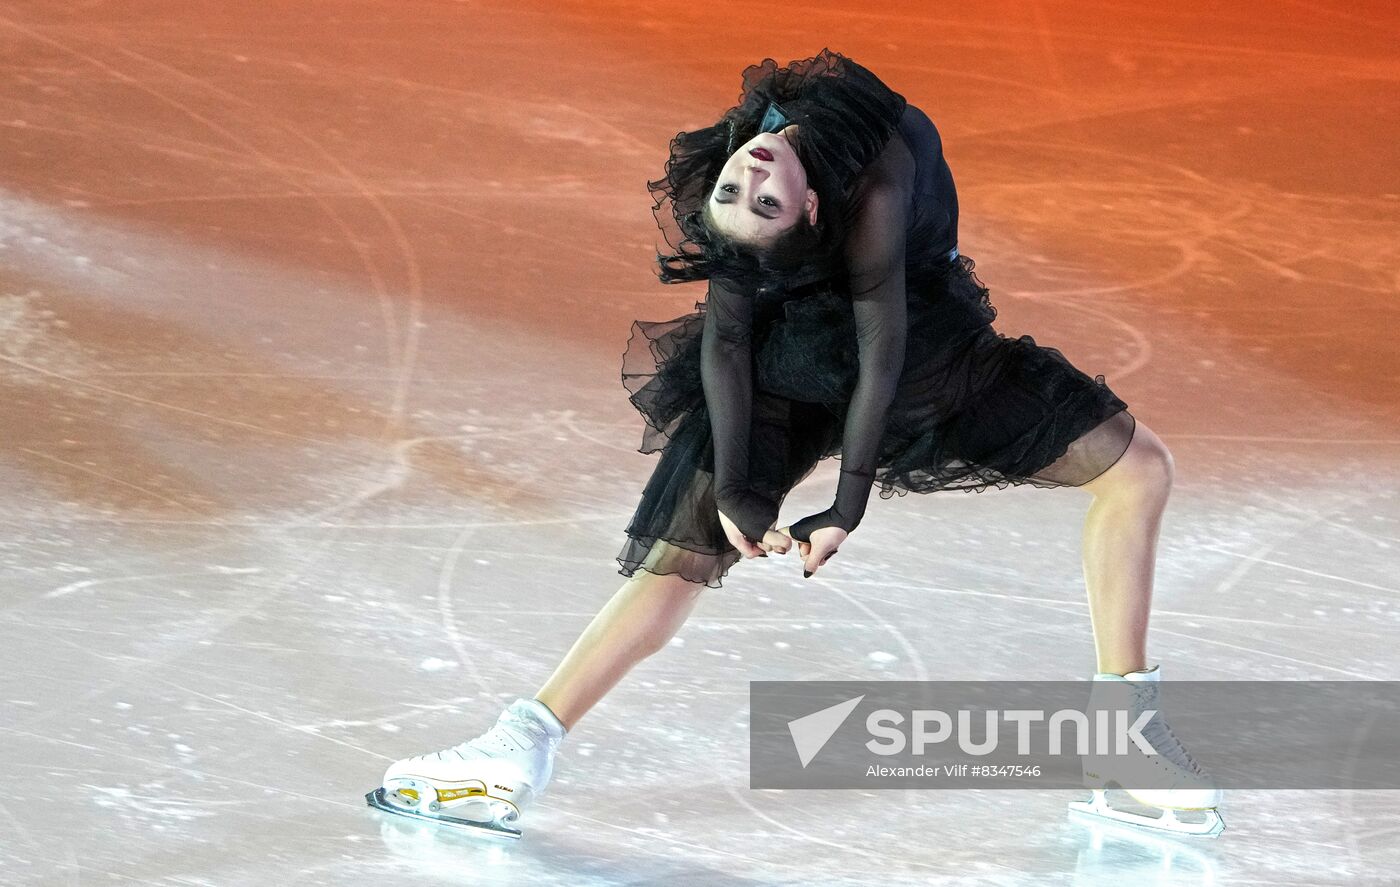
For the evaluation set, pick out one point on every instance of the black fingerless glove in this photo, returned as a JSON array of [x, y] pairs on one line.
[[750, 512], [802, 530], [846, 512]]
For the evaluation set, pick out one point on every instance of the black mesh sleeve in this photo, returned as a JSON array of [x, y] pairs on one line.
[[726, 371], [875, 251]]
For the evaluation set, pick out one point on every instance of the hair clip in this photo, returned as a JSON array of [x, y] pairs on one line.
[[774, 119]]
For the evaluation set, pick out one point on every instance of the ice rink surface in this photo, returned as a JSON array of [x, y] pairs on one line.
[[316, 453]]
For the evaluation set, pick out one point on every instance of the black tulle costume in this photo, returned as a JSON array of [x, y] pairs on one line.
[[882, 354]]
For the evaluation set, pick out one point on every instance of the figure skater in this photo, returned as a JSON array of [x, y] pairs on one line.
[[840, 320]]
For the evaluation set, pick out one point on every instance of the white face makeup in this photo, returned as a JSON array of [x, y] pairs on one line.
[[762, 189]]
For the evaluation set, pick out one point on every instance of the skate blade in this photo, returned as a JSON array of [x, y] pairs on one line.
[[378, 801], [1168, 823]]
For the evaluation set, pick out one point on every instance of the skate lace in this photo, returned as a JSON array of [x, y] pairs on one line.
[[1160, 734], [519, 733]]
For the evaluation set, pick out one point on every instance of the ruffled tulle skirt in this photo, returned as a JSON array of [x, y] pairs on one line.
[[973, 410]]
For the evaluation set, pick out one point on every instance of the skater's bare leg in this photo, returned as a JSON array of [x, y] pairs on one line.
[[640, 619], [514, 760], [1120, 549], [489, 782]]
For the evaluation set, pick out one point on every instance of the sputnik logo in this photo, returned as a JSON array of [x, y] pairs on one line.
[[810, 733]]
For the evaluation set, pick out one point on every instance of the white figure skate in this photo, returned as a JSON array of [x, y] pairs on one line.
[[1170, 780], [489, 780]]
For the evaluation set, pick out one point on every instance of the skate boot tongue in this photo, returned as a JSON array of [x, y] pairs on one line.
[[1147, 694], [1147, 675], [534, 717]]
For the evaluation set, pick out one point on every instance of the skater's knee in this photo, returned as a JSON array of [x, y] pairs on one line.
[[1154, 469], [660, 605], [1145, 471], [651, 642], [651, 638]]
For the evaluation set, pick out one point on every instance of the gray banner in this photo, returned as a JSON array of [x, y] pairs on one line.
[[1045, 734]]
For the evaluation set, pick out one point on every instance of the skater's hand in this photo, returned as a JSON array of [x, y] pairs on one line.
[[737, 538], [776, 540], [825, 541]]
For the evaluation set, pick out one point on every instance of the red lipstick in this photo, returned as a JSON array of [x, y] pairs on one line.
[[762, 154]]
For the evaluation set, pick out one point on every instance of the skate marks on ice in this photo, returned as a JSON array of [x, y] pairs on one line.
[[555, 852], [402, 348], [1112, 849], [268, 645]]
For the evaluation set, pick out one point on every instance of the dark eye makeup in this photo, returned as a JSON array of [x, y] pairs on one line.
[[770, 201]]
